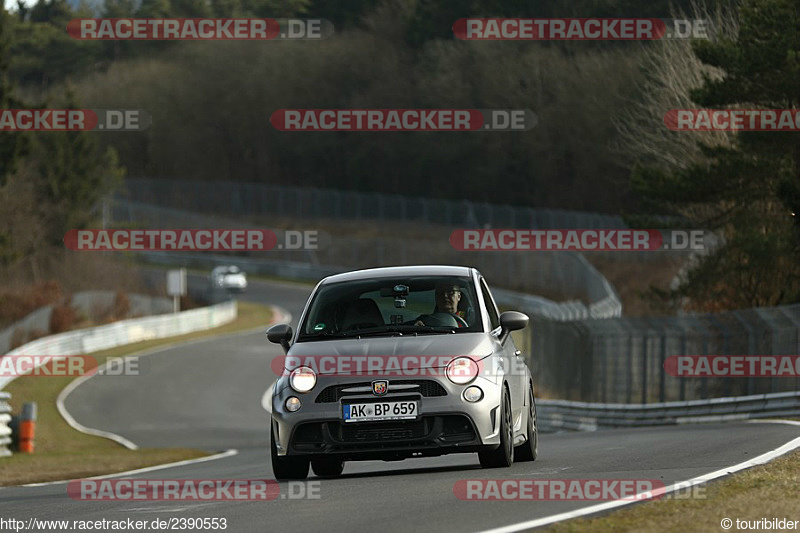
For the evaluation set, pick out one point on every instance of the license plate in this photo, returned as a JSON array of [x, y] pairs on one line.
[[366, 412]]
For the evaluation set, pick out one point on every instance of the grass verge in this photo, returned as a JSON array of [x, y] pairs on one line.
[[64, 453], [765, 491]]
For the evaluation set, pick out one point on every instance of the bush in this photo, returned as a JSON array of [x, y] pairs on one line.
[[63, 318], [19, 303], [122, 306]]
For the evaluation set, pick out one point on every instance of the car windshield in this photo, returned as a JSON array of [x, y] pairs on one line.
[[392, 306]]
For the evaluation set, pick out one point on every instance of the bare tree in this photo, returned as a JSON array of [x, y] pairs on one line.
[[672, 71]]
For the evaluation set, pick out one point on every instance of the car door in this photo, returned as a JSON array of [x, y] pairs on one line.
[[515, 374]]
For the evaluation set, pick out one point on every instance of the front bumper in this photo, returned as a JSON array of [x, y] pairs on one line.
[[446, 423]]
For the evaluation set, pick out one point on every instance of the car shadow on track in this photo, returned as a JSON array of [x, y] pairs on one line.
[[405, 471]]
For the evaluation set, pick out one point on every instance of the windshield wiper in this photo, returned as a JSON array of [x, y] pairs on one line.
[[324, 336], [377, 331], [401, 329]]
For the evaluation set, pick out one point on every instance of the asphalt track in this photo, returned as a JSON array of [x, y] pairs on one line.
[[207, 395]]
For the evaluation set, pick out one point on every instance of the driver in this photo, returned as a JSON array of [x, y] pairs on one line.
[[448, 295]]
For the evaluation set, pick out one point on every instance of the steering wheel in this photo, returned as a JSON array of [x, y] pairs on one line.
[[461, 321], [443, 319], [360, 325]]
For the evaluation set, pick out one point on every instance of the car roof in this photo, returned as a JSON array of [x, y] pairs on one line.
[[400, 271]]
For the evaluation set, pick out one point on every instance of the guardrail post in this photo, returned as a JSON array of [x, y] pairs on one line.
[[27, 427], [794, 320], [704, 380], [683, 352], [644, 368], [5, 429], [726, 349], [662, 383], [629, 395]]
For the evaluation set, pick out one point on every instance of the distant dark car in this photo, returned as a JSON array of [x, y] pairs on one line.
[[475, 395]]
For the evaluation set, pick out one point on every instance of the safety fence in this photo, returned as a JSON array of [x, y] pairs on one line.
[[621, 360], [269, 202], [303, 203]]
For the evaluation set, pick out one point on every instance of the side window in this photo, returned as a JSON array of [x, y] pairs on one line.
[[491, 310]]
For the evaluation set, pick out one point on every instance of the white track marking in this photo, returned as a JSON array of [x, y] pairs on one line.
[[221, 455]]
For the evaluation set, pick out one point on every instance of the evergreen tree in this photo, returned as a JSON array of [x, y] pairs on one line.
[[11, 144], [748, 192]]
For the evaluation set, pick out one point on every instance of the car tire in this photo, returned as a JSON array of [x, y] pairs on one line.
[[529, 451], [503, 455], [287, 468], [327, 467]]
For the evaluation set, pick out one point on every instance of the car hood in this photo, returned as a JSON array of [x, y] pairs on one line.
[[474, 345]]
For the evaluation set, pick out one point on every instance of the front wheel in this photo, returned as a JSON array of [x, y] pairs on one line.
[[285, 468], [530, 449], [503, 455]]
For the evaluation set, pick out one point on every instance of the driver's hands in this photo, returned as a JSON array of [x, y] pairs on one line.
[[419, 323]]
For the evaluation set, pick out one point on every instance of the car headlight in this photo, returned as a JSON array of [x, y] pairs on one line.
[[302, 379], [462, 370]]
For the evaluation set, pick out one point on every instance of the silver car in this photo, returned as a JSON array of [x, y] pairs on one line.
[[229, 277], [400, 362]]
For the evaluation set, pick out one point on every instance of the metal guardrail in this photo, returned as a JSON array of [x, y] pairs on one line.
[[536, 305], [5, 419], [555, 415], [89, 340], [603, 299], [93, 304]]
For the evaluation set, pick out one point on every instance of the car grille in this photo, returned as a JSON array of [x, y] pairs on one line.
[[428, 431], [384, 432], [426, 387]]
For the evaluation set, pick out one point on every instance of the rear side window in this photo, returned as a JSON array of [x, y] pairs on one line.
[[491, 310]]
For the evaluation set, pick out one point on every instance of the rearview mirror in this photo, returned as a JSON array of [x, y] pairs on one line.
[[281, 334]]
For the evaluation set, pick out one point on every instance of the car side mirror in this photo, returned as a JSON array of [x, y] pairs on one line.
[[512, 321], [281, 334]]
